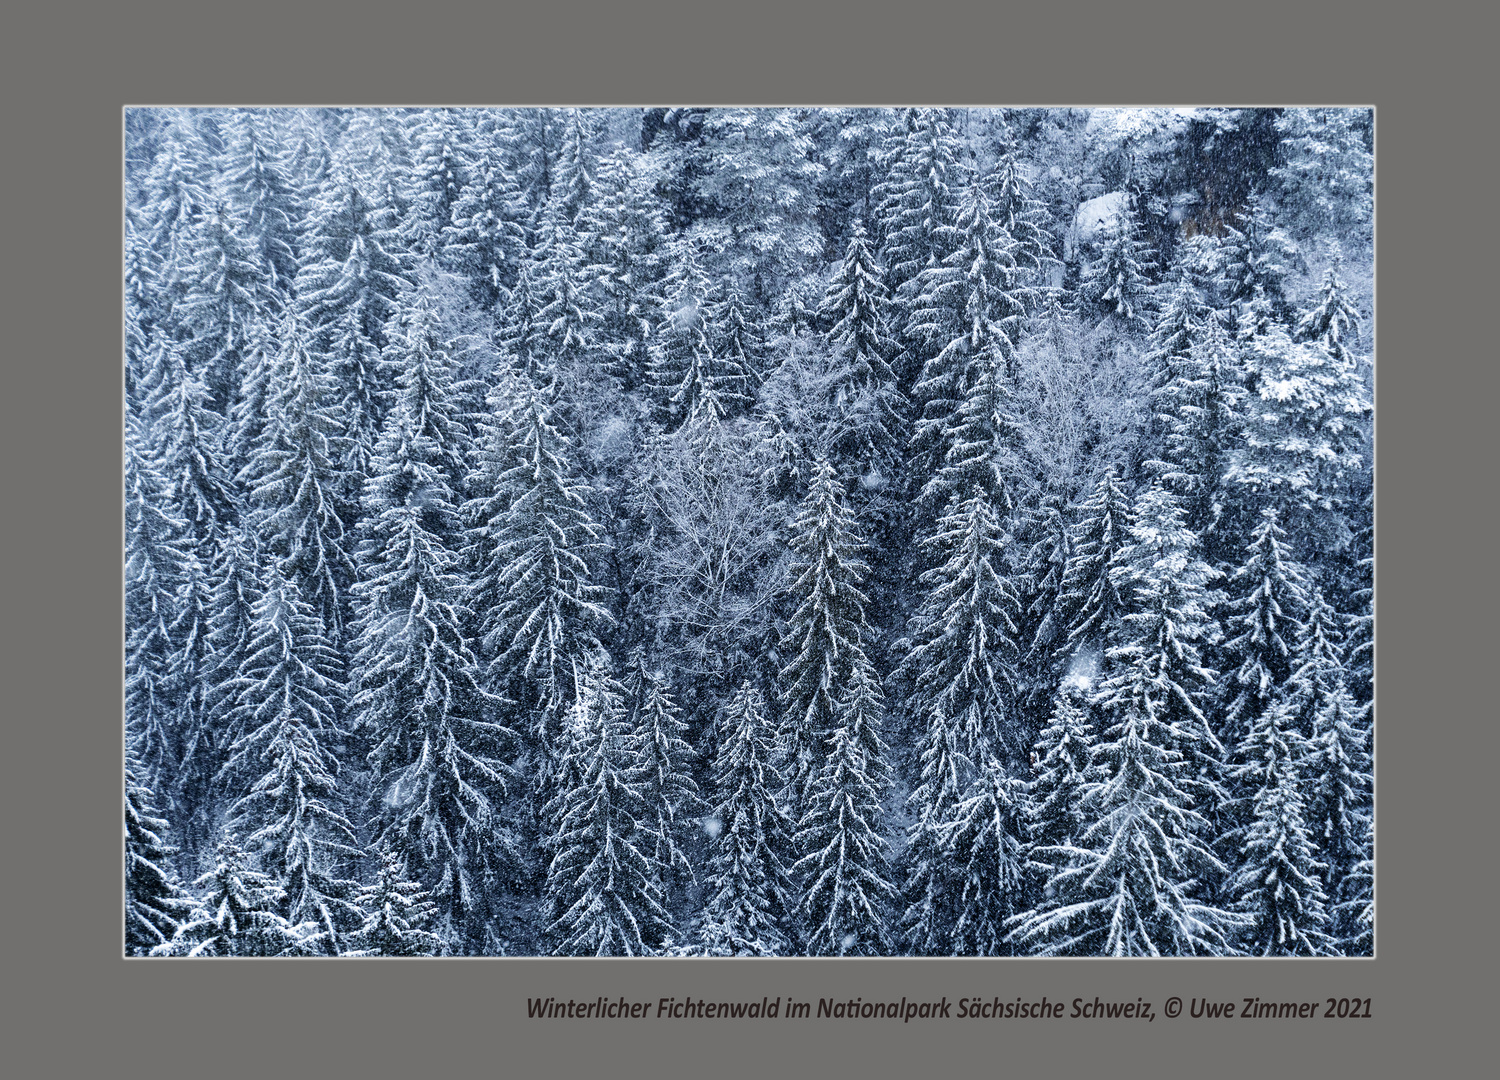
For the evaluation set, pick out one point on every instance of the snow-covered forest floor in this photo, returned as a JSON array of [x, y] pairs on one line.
[[749, 532]]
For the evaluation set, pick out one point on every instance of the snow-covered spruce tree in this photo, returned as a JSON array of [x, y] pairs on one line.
[[484, 240], [757, 197], [915, 205], [794, 313], [263, 195], [1184, 314], [494, 449], [188, 668], [1136, 880], [1355, 915], [374, 152], [439, 754], [1179, 327], [978, 441], [350, 277], [355, 364], [439, 151], [576, 163], [1277, 881], [1169, 624], [1335, 769], [1303, 437], [1131, 885], [294, 480], [849, 144], [566, 319], [668, 792], [1327, 178], [1315, 671], [1199, 408], [1268, 593], [234, 577], [823, 637], [200, 495], [602, 897], [225, 290], [396, 914], [621, 231], [1350, 579], [683, 366], [967, 309], [518, 327], [281, 763], [156, 563], [1042, 622], [418, 367], [529, 543], [236, 913], [846, 888], [533, 140], [856, 309], [1359, 644], [959, 668], [1090, 596], [1331, 320], [929, 888], [750, 894], [188, 447], [737, 344], [259, 357], [234, 580], [1252, 319], [178, 194], [1116, 282], [155, 904], [309, 158], [1021, 215], [1062, 758], [1253, 261], [986, 841], [141, 302]]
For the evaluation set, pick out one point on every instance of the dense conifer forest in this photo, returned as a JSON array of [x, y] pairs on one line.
[[726, 531]]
